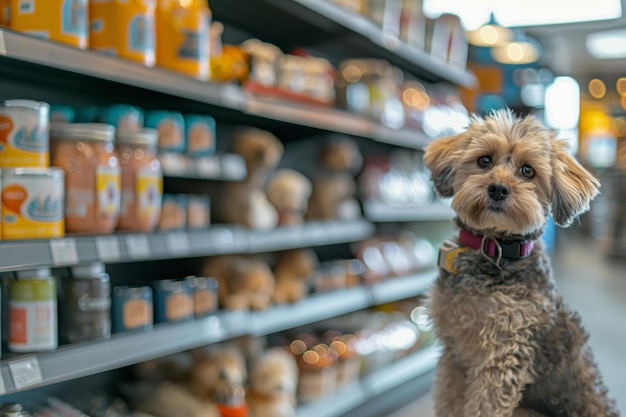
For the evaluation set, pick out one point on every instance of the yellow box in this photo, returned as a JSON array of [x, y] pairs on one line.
[[60, 20], [123, 27]]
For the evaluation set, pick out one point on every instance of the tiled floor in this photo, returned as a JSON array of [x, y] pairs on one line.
[[596, 287]]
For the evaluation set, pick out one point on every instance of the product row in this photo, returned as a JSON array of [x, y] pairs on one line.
[[264, 377]]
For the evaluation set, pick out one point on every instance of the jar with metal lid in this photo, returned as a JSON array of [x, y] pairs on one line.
[[87, 303], [24, 129], [142, 180], [86, 152], [33, 311]]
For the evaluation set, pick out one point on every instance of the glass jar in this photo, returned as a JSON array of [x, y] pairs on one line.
[[142, 180], [86, 152], [87, 303]]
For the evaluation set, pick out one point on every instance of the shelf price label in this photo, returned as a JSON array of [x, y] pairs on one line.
[[178, 243], [208, 167], [25, 373], [64, 252], [138, 246], [108, 248]]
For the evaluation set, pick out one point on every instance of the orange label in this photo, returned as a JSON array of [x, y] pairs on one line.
[[6, 126], [17, 325], [178, 306], [137, 313], [204, 301], [13, 196]]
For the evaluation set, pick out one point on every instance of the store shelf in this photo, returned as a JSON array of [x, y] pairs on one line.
[[124, 349], [373, 385], [122, 247], [224, 167], [377, 211]]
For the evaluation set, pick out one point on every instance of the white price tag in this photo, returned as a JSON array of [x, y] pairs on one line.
[[233, 167], [25, 372], [64, 252], [208, 166], [177, 243], [138, 246], [108, 248]]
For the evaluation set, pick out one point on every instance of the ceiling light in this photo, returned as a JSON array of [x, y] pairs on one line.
[[521, 50], [608, 44], [490, 34]]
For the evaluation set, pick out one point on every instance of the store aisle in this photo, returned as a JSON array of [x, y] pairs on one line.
[[596, 287]]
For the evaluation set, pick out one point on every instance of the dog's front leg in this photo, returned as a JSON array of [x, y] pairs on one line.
[[449, 388]]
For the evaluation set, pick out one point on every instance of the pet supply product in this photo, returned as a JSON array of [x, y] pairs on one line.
[[173, 212], [124, 28], [32, 203], [199, 135], [132, 308], [171, 127], [198, 211], [86, 152], [123, 117], [173, 301], [59, 20], [204, 295], [182, 28], [87, 303], [318, 375], [33, 312], [62, 114], [24, 134], [142, 180]]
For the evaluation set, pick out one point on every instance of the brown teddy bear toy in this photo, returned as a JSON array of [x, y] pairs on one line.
[[289, 192], [243, 283], [273, 384], [334, 188], [245, 202], [291, 272]]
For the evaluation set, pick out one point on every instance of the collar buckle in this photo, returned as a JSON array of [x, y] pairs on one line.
[[498, 246]]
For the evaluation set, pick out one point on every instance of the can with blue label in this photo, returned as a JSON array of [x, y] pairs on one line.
[[24, 135], [204, 295], [173, 301], [132, 308]]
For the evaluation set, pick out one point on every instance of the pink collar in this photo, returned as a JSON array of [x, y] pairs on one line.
[[495, 249]]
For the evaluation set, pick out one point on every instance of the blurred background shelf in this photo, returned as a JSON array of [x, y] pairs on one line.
[[377, 211]]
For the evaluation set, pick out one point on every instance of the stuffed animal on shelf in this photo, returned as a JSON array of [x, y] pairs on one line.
[[292, 271], [273, 384], [243, 282], [245, 202], [289, 193], [334, 188], [169, 399]]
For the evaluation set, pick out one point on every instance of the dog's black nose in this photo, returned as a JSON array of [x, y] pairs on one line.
[[498, 192]]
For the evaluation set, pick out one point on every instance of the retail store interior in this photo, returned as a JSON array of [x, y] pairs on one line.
[[221, 209]]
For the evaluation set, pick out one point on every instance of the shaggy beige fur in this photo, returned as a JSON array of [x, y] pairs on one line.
[[511, 345]]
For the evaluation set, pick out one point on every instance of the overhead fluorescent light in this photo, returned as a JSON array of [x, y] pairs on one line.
[[514, 13], [608, 44]]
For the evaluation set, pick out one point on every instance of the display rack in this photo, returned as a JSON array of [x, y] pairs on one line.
[[125, 349], [377, 211]]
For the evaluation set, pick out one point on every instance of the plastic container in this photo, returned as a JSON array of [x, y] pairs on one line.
[[33, 312], [60, 20], [142, 181], [171, 127], [87, 303], [86, 152], [132, 308], [173, 301], [32, 203], [24, 140], [124, 28], [182, 28], [199, 135]]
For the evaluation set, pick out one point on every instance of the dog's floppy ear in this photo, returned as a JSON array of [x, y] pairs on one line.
[[573, 187], [440, 159]]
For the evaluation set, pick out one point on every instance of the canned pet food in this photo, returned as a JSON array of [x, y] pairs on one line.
[[173, 212], [173, 301], [171, 127], [62, 114], [60, 20], [24, 134], [199, 135], [204, 295], [123, 117], [198, 212], [124, 28], [32, 203], [182, 28], [142, 180], [87, 303], [86, 152], [33, 312], [132, 308]]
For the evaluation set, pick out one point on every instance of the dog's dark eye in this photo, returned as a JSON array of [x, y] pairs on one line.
[[484, 161], [527, 171]]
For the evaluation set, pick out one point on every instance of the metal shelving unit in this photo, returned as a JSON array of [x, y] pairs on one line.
[[74, 361], [217, 240], [381, 212]]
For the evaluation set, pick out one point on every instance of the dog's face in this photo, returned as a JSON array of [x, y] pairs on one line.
[[506, 175]]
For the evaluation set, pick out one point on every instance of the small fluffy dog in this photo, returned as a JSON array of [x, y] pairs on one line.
[[511, 345]]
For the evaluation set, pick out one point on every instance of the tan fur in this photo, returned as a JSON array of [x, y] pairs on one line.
[[273, 383], [511, 345], [218, 376], [291, 272], [289, 193]]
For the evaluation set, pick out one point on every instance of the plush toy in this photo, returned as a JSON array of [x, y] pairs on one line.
[[273, 384], [334, 188], [245, 202], [289, 193], [243, 282], [219, 376], [169, 399], [291, 272]]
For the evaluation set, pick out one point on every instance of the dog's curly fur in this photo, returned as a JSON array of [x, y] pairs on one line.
[[511, 345]]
